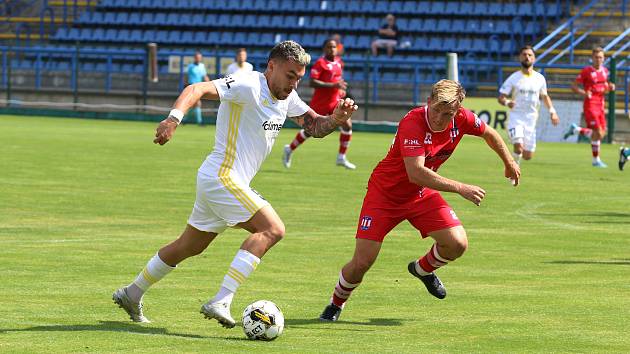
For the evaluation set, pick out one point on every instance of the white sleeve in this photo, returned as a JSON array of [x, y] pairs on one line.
[[234, 88], [297, 107], [507, 86], [230, 69], [203, 67]]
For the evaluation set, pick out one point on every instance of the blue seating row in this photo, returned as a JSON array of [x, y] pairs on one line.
[[463, 7], [369, 24]]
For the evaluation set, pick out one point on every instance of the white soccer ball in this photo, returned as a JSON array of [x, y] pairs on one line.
[[263, 320]]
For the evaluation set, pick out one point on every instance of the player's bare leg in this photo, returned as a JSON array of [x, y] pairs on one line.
[[345, 135], [351, 275], [267, 229], [527, 155], [190, 243], [449, 245]]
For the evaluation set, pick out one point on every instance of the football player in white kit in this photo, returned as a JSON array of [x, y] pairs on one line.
[[521, 92], [253, 109]]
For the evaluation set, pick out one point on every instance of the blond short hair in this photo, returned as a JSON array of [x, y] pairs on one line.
[[447, 93], [290, 50], [598, 50]]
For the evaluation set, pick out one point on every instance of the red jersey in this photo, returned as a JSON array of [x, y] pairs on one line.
[[595, 81], [416, 138], [325, 98]]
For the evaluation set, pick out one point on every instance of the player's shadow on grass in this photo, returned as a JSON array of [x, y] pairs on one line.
[[113, 326], [609, 262], [386, 322]]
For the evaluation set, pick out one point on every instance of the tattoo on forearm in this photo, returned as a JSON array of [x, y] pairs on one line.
[[316, 126]]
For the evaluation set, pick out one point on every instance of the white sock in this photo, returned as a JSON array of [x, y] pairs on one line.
[[576, 130], [241, 267], [341, 156], [155, 270], [517, 157]]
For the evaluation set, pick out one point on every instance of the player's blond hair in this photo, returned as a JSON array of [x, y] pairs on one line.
[[447, 93], [290, 50], [598, 50]]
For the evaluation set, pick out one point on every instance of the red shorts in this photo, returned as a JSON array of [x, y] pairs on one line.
[[427, 214], [595, 118]]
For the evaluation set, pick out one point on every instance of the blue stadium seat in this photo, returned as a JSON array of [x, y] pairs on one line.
[[240, 38], [415, 25], [122, 18], [172, 19], [463, 45], [525, 9], [479, 45], [435, 43], [480, 7], [466, 8], [473, 26], [249, 21], [199, 37], [111, 35], [147, 18], [210, 20], [85, 34], [437, 8], [502, 27], [372, 24], [266, 39], [487, 26], [98, 35], [253, 38], [509, 9], [264, 19], [394, 7], [161, 36], [420, 43], [159, 18], [429, 25], [109, 18], [451, 8], [225, 20], [458, 26], [494, 9], [257, 5], [444, 25], [123, 35], [226, 38], [358, 23], [402, 23], [185, 19], [213, 37], [277, 22]]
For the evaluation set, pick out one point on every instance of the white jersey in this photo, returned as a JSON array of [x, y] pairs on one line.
[[234, 68], [248, 122], [525, 91]]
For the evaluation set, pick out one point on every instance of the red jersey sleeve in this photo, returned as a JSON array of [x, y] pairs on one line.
[[473, 125], [316, 70], [580, 78], [411, 135]]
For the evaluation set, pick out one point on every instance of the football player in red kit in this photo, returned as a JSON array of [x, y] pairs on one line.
[[594, 80], [405, 186], [326, 78]]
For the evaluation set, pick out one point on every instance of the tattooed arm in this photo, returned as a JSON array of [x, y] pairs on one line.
[[319, 126]]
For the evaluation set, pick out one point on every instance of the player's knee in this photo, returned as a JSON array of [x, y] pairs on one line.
[[459, 246], [527, 157], [275, 233], [362, 264]]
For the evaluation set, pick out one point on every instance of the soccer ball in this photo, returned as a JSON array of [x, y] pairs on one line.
[[263, 320]]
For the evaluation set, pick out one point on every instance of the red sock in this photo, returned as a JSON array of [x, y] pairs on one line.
[[344, 141], [342, 291], [300, 137], [586, 132], [595, 147], [432, 260]]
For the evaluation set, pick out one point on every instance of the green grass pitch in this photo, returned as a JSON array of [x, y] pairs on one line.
[[84, 204]]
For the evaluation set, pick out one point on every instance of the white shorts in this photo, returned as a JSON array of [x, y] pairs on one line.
[[222, 203], [382, 43], [522, 130]]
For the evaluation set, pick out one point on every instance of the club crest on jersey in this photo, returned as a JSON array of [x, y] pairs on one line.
[[366, 222], [428, 139]]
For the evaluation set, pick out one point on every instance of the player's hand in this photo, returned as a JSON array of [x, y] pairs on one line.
[[513, 172], [511, 104], [611, 86], [341, 84], [344, 110], [342, 93], [473, 193], [588, 94], [165, 130], [555, 120]]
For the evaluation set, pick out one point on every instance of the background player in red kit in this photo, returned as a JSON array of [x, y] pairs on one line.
[[405, 185], [594, 80], [326, 78]]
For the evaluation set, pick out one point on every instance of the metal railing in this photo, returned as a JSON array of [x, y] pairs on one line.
[[377, 76]]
